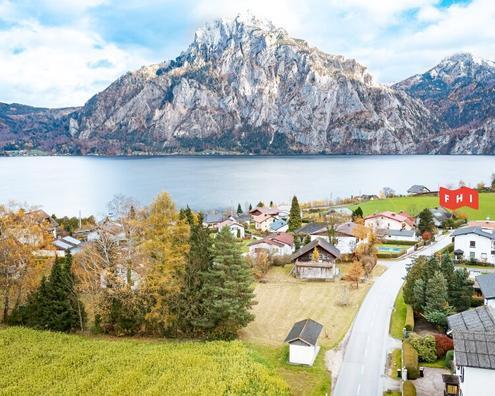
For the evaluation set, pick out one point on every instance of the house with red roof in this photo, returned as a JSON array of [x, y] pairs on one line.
[[280, 244], [390, 221]]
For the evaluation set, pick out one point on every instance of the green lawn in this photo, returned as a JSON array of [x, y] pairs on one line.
[[395, 362], [416, 204], [440, 363], [302, 380], [44, 363], [398, 319]]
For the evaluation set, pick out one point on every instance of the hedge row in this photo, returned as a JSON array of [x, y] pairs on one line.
[[390, 255], [410, 360], [409, 325], [408, 389]]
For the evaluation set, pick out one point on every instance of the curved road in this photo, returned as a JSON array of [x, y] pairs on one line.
[[363, 368]]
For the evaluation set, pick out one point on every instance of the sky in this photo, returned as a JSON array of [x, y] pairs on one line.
[[58, 53]]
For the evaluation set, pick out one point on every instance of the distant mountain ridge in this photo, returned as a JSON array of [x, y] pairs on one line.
[[245, 86]]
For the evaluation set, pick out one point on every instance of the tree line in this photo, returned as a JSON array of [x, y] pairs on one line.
[[168, 276]]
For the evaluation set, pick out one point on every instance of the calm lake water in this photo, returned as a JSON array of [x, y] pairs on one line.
[[67, 185]]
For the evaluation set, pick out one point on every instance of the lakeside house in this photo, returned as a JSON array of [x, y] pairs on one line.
[[44, 220], [236, 229], [67, 243], [486, 284], [323, 267], [475, 242], [474, 364], [417, 189], [303, 342], [280, 244], [388, 220], [344, 233]]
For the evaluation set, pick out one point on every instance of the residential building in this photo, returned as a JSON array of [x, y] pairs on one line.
[[398, 235], [264, 210], [314, 230], [303, 342], [43, 219], [440, 215], [418, 189], [475, 243], [486, 283], [236, 229], [279, 225], [476, 319], [347, 240], [390, 221], [342, 211], [323, 267], [212, 219], [474, 359], [263, 222], [280, 244], [65, 244]]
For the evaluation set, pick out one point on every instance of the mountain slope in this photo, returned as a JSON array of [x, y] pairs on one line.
[[460, 91], [245, 86]]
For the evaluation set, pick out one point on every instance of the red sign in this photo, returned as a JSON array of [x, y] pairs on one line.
[[455, 199]]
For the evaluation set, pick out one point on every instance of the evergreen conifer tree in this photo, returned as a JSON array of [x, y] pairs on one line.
[[239, 209], [227, 293], [295, 220], [426, 223], [436, 307]]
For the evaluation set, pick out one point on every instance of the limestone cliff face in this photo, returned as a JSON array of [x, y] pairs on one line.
[[244, 85], [460, 91]]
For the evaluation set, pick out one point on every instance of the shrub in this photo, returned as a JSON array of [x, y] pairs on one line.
[[449, 358], [443, 344], [425, 346], [280, 261], [408, 389], [477, 301], [409, 318], [410, 360]]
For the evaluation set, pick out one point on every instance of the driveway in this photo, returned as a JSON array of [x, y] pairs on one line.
[[362, 371]]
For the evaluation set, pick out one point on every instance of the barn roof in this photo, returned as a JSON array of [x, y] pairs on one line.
[[317, 242], [306, 330]]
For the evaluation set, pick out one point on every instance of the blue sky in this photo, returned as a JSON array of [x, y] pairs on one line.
[[61, 52]]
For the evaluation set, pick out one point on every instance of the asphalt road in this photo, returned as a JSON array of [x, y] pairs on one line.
[[363, 369]]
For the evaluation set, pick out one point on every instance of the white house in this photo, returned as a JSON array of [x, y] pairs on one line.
[[475, 243], [236, 229], [279, 225], [281, 244], [399, 235], [486, 283], [474, 358], [390, 220], [303, 342], [263, 221], [67, 243]]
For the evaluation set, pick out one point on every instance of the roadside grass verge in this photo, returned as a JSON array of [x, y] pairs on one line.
[[398, 319], [395, 362]]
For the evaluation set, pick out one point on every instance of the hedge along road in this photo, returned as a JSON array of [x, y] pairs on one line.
[[362, 371]]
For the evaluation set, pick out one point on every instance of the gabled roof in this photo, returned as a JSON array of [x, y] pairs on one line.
[[440, 213], [487, 284], [402, 217], [399, 233], [473, 230], [477, 319], [265, 210], [277, 224], [322, 243], [474, 349], [212, 218], [306, 330], [312, 228], [347, 228], [279, 239], [262, 217], [417, 188], [486, 224]]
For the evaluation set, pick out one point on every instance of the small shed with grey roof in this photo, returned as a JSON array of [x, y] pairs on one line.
[[477, 319], [303, 342]]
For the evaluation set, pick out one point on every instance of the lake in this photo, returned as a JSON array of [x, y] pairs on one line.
[[67, 185]]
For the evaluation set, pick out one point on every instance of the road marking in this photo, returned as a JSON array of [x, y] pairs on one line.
[[358, 389]]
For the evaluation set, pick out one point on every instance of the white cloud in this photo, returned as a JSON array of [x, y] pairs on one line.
[[55, 66]]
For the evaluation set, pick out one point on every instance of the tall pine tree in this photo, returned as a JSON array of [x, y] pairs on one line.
[[295, 220], [227, 293]]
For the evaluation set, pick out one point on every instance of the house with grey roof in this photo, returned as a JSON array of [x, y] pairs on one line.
[[303, 342], [313, 229], [475, 243], [486, 284], [65, 244], [476, 319], [398, 235], [440, 215], [316, 260], [418, 189], [474, 359]]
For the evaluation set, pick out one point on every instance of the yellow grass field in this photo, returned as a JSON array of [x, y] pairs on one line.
[[283, 300]]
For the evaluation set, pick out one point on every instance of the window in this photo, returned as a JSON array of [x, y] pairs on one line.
[[472, 255], [472, 244], [484, 256]]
